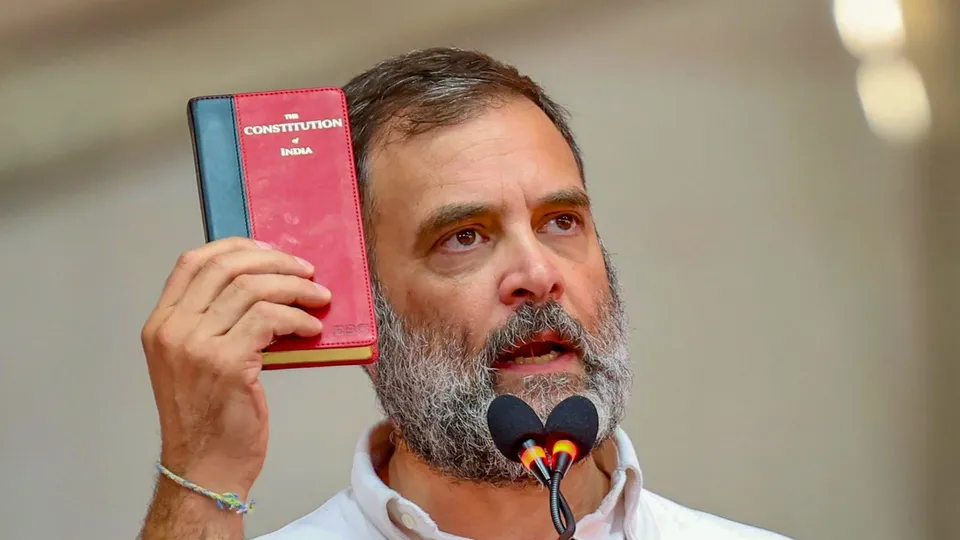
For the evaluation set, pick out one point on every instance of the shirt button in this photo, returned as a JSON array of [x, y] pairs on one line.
[[408, 521]]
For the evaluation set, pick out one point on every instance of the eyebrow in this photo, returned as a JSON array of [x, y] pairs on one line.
[[570, 197], [445, 216], [448, 215]]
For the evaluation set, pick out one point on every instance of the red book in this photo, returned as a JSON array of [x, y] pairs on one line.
[[278, 167]]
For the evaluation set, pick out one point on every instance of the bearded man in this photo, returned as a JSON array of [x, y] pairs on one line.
[[489, 278]]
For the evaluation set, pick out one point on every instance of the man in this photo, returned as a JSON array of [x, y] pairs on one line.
[[489, 278]]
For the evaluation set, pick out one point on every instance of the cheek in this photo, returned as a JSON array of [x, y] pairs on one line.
[[463, 304], [586, 291]]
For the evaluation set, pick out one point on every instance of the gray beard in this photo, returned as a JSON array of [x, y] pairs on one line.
[[436, 390]]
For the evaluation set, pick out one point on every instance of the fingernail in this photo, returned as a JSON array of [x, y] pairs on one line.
[[305, 264], [323, 290], [263, 244]]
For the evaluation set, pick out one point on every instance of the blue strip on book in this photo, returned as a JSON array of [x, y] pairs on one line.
[[220, 170]]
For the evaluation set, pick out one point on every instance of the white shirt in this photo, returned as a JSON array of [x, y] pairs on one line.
[[369, 509]]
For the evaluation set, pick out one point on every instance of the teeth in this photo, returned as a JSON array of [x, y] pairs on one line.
[[543, 359]]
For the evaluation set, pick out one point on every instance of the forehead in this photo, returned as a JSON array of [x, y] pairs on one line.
[[511, 153]]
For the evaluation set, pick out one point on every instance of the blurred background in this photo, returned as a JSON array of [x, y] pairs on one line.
[[779, 181]]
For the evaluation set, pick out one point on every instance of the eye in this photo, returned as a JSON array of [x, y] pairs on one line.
[[463, 240], [562, 224]]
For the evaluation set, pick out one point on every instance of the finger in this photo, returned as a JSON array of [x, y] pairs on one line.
[[248, 289], [265, 321], [222, 269], [190, 262]]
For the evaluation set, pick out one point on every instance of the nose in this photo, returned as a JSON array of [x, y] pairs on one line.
[[532, 276]]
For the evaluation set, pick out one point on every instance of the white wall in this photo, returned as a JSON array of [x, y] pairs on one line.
[[768, 246]]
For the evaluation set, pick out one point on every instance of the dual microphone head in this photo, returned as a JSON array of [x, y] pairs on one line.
[[568, 435]]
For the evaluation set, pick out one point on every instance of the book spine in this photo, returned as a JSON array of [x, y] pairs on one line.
[[220, 174]]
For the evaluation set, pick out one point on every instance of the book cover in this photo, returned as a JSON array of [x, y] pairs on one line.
[[278, 167]]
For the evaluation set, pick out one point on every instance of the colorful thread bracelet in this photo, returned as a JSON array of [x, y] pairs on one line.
[[229, 501]]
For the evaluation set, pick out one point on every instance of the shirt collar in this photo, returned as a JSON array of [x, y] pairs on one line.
[[397, 517]]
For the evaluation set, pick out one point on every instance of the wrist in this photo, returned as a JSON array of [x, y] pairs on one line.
[[178, 512], [229, 500], [189, 497], [214, 477], [222, 475]]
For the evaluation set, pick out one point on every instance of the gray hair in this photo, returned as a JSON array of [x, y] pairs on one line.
[[413, 93]]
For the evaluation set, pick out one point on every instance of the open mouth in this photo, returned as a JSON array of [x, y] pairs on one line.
[[536, 352]]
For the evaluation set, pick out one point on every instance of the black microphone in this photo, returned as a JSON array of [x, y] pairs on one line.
[[518, 434], [571, 434]]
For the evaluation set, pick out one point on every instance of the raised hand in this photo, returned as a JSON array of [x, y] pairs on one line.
[[221, 305]]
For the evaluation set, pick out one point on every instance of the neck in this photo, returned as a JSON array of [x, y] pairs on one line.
[[466, 509]]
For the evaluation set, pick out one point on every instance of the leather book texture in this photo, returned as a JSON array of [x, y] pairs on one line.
[[278, 167]]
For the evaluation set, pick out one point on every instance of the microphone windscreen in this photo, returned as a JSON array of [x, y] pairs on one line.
[[511, 422], [576, 420]]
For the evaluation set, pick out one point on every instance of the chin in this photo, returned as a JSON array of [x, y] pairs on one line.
[[543, 391]]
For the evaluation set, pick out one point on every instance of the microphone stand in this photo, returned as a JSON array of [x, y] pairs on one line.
[[559, 508]]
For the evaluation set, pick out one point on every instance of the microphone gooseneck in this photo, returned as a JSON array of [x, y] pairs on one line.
[[563, 519]]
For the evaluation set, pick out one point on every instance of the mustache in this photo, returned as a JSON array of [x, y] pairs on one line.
[[529, 322]]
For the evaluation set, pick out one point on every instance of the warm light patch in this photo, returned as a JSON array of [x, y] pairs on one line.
[[894, 99], [532, 454], [867, 27], [565, 446]]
